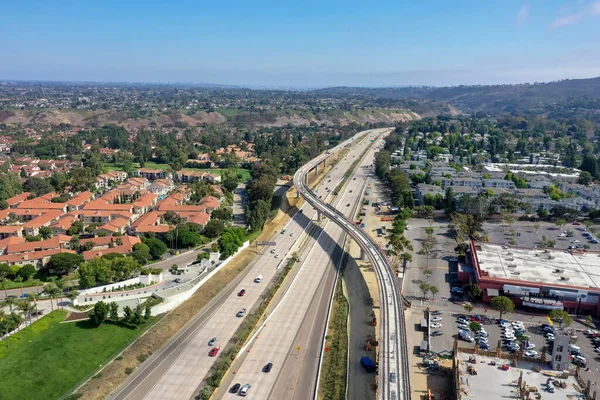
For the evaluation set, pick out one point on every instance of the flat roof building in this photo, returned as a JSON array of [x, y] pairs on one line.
[[542, 279]]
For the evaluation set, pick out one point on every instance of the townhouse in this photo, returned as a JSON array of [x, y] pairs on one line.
[[152, 174]]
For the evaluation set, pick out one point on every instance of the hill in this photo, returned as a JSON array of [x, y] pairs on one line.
[[522, 98]]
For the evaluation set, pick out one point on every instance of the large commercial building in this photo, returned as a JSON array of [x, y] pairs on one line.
[[539, 279]]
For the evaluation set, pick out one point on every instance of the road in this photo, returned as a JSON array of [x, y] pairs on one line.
[[176, 371], [393, 368], [299, 320], [240, 198]]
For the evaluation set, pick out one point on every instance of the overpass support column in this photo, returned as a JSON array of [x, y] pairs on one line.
[[325, 163], [319, 216], [363, 254], [297, 193], [317, 170]]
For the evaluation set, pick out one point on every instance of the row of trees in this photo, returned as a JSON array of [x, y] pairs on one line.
[[260, 195], [136, 316]]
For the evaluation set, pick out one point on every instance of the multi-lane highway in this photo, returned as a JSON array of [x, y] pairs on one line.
[[281, 340], [393, 355], [176, 370]]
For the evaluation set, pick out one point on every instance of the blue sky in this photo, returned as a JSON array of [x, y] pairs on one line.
[[303, 43]]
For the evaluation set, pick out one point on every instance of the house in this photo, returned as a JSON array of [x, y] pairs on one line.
[[464, 182], [152, 174], [62, 225], [498, 183], [38, 258], [210, 203], [27, 247], [102, 216], [424, 189], [110, 179], [123, 245], [14, 201], [4, 243], [77, 202], [11, 230], [161, 187], [41, 203], [145, 203], [149, 222], [188, 176], [32, 228], [459, 191], [115, 225]]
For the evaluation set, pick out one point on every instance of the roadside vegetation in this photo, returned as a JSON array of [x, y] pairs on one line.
[[335, 358]]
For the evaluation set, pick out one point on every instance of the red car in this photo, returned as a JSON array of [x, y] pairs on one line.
[[214, 351], [242, 292], [576, 223]]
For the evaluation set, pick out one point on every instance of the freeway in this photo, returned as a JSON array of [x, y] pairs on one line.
[[177, 370], [291, 337], [393, 355]]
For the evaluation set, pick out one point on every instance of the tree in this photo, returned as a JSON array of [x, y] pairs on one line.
[[147, 311], [424, 288], [561, 317], [223, 213], [114, 311], [214, 228], [63, 263], [427, 272], [127, 314], [585, 178], [45, 232], [536, 226], [475, 326], [38, 186], [141, 253], [560, 223], [98, 316], [72, 295], [52, 291], [257, 213], [589, 320], [406, 258], [26, 308], [468, 307], [502, 304], [171, 217], [157, 247], [27, 271], [473, 291], [434, 290], [397, 246]]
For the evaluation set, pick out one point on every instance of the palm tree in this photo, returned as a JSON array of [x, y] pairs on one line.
[[9, 301], [4, 285], [406, 258], [60, 284], [52, 291], [20, 280], [33, 297], [26, 308], [2, 318]]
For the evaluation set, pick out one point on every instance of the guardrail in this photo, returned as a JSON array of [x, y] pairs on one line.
[[394, 380]]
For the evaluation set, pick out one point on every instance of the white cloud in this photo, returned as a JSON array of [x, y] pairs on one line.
[[522, 14], [592, 9]]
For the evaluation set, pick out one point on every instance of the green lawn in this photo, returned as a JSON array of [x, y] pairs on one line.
[[228, 112], [49, 361], [15, 285]]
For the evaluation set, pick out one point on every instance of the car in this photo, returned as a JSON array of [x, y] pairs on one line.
[[503, 321], [484, 346], [464, 326], [549, 335], [244, 390], [258, 279], [273, 251], [436, 325], [579, 360], [241, 313], [348, 205], [436, 312], [350, 191], [475, 318], [513, 347], [462, 321], [597, 349], [214, 351], [437, 333], [235, 388], [212, 341], [483, 340], [242, 292], [562, 235], [292, 234], [529, 346], [436, 319], [548, 328], [482, 334], [354, 179], [531, 353], [392, 377], [267, 368], [277, 255]]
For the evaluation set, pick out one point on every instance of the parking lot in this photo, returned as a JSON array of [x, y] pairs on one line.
[[527, 236], [532, 328]]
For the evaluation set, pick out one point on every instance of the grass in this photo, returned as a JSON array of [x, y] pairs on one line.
[[228, 112], [16, 285], [333, 378], [52, 358]]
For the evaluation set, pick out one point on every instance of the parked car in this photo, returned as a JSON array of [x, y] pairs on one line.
[[531, 353], [436, 312], [436, 319], [435, 325], [437, 333]]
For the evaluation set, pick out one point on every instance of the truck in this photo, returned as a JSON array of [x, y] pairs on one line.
[[368, 364]]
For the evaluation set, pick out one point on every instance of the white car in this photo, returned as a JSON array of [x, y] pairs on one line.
[[509, 336], [462, 321], [436, 319], [483, 334], [529, 346], [436, 325], [483, 340], [531, 353], [464, 326]]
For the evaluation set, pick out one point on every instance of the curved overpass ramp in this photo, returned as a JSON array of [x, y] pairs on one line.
[[393, 354]]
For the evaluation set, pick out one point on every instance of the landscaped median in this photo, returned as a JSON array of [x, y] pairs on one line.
[[241, 336], [332, 384], [53, 356]]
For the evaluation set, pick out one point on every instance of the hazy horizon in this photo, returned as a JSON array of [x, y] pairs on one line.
[[313, 44]]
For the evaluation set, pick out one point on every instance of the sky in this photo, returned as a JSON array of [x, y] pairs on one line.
[[307, 43]]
